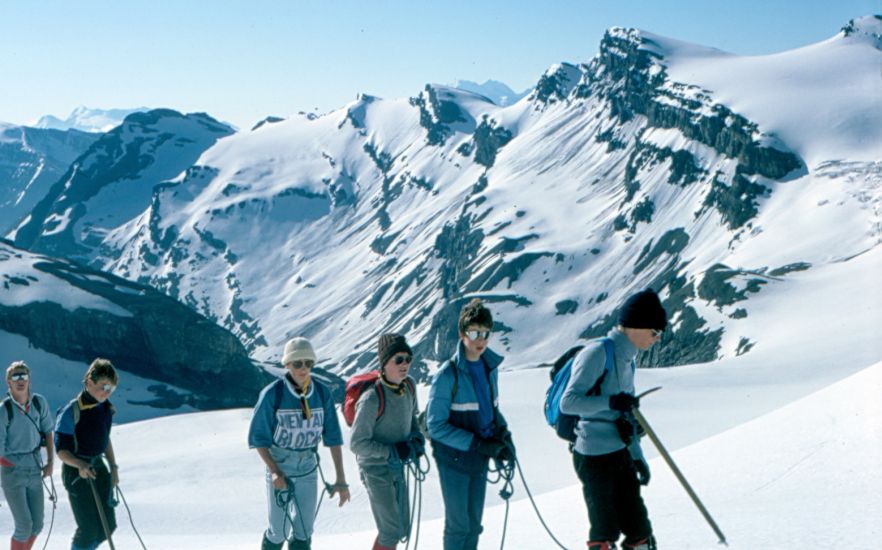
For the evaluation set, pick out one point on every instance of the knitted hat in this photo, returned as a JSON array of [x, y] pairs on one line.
[[644, 310], [389, 345], [298, 349]]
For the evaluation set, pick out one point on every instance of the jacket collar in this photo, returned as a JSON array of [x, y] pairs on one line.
[[295, 390], [624, 348], [490, 358]]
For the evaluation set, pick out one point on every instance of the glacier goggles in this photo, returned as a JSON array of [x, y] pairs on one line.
[[477, 334], [16, 376]]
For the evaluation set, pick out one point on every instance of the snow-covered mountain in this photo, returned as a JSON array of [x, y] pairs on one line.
[[73, 314], [658, 163], [113, 181], [31, 160], [85, 119], [497, 92]]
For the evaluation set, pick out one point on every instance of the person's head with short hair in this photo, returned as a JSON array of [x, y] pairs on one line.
[[18, 378], [395, 356], [299, 358], [643, 319], [101, 379], [17, 367], [475, 327]]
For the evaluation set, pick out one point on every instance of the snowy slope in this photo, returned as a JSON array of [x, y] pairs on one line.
[[774, 442], [806, 97], [611, 176], [31, 160], [768, 483]]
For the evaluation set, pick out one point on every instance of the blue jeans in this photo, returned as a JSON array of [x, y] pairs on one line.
[[463, 495]]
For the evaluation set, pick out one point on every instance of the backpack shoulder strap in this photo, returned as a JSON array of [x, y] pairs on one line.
[[608, 363], [278, 394], [455, 379], [610, 348], [7, 404], [381, 396], [36, 402]]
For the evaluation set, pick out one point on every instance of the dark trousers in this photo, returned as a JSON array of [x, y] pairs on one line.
[[90, 532], [463, 495], [612, 495]]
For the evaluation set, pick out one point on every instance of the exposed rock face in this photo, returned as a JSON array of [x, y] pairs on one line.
[[140, 330]]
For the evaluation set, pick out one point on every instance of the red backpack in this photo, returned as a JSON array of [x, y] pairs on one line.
[[359, 384]]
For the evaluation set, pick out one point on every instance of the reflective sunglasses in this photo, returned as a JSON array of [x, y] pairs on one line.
[[107, 388], [477, 334], [656, 333], [20, 376], [302, 364], [400, 359]]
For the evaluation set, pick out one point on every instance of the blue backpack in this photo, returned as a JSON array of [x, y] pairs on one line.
[[565, 424]]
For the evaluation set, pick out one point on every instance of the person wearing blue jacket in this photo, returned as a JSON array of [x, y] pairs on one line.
[[292, 416], [466, 427], [607, 454]]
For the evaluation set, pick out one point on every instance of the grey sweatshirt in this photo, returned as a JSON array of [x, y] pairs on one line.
[[19, 436], [596, 432], [372, 438]]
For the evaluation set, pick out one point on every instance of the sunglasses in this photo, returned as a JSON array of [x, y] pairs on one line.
[[656, 333], [107, 388], [303, 364], [477, 334], [401, 359], [20, 376]]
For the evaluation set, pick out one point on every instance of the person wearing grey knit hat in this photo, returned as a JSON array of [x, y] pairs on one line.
[[292, 416]]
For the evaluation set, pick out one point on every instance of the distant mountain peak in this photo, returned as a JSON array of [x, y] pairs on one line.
[[497, 92], [868, 26], [87, 119]]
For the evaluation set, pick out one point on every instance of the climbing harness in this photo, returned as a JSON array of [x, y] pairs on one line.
[[286, 497]]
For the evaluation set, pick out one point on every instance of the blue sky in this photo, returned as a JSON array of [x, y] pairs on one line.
[[242, 61]]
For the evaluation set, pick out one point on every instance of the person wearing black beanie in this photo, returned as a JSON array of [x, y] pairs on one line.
[[606, 455]]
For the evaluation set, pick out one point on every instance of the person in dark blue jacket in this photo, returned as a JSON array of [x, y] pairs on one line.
[[466, 427], [82, 439], [292, 416]]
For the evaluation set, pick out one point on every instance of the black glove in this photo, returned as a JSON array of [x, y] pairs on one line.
[[623, 402], [642, 471], [490, 447], [404, 450], [418, 446], [625, 428], [508, 452]]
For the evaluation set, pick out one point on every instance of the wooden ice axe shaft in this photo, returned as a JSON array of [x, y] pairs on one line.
[[664, 453]]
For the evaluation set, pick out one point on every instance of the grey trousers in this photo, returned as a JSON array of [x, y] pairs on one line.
[[390, 502], [23, 489], [294, 508]]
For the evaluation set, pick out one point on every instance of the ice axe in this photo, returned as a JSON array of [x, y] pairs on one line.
[[664, 453], [101, 514]]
